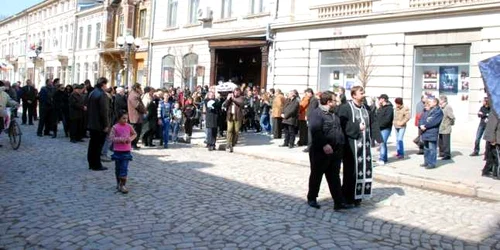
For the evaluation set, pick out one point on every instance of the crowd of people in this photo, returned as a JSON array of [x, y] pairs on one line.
[[332, 129]]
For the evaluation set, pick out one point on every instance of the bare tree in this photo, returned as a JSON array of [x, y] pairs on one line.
[[360, 60], [180, 71]]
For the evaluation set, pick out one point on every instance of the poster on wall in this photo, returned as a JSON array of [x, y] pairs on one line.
[[448, 79]]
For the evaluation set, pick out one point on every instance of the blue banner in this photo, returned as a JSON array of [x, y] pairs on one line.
[[490, 71]]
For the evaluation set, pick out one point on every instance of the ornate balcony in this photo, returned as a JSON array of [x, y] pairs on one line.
[[351, 8], [439, 3]]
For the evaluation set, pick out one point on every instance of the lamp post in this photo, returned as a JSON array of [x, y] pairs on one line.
[[36, 50], [129, 43]]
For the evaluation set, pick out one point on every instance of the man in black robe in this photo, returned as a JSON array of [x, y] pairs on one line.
[[356, 122]]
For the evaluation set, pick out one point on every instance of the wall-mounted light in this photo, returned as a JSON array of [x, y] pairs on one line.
[[253, 60], [240, 61], [371, 45], [397, 44]]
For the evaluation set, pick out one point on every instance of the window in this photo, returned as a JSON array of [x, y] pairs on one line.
[[89, 35], [189, 63], [443, 70], [77, 72], [226, 10], [86, 71], [167, 71], [256, 6], [335, 71], [142, 23], [120, 26], [59, 40], [193, 11], [66, 36], [70, 37], [95, 69], [47, 43], [80, 38], [172, 13], [98, 35]]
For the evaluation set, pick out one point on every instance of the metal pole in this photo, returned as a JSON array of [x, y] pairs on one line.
[[128, 66]]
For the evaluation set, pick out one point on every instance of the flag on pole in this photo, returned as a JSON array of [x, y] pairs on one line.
[[490, 71]]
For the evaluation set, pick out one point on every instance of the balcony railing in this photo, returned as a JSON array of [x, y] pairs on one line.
[[439, 3], [352, 8]]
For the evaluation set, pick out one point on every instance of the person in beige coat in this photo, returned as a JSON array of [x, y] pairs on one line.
[[136, 111], [5, 101], [277, 109], [401, 118], [445, 129]]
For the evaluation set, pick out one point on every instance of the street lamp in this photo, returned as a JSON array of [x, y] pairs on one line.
[[130, 43], [34, 54]]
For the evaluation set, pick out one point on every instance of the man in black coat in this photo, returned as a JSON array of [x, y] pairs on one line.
[[29, 98], [98, 123], [212, 111], [326, 151], [76, 108], [290, 117], [313, 104], [46, 97], [120, 101]]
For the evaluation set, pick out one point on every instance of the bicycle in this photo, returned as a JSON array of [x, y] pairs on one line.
[[14, 132]]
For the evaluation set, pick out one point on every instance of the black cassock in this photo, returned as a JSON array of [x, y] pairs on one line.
[[357, 160]]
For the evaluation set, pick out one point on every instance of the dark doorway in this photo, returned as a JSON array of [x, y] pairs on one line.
[[242, 65]]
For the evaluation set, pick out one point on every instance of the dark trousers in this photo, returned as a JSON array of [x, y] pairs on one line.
[[348, 175], [188, 127], [329, 165], [479, 135], [96, 143], [309, 138], [289, 134], [138, 129], [277, 127], [28, 109], [147, 138], [76, 130], [303, 133], [46, 123], [491, 159], [211, 136], [444, 145]]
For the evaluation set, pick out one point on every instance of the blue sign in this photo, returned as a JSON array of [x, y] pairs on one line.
[[490, 71]]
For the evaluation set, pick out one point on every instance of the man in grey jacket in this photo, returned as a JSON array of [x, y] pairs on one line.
[[492, 136], [445, 129]]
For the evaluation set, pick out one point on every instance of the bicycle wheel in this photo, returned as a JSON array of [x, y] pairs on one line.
[[15, 135]]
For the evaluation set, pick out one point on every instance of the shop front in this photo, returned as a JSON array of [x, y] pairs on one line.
[[443, 70]]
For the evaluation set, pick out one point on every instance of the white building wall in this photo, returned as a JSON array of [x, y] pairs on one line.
[[392, 42]]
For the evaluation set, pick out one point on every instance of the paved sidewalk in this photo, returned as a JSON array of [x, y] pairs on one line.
[[461, 175]]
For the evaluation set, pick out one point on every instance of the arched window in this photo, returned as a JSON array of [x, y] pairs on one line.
[[167, 71], [189, 64]]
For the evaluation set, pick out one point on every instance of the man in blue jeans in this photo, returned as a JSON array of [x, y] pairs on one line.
[[429, 125], [385, 116], [483, 114]]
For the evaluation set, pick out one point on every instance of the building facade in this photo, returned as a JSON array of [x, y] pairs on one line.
[[407, 48], [49, 25], [201, 42]]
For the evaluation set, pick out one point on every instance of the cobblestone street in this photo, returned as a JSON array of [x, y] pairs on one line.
[[186, 197]]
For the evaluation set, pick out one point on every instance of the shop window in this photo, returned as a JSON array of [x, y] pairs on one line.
[[336, 71], [167, 71], [442, 70]]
